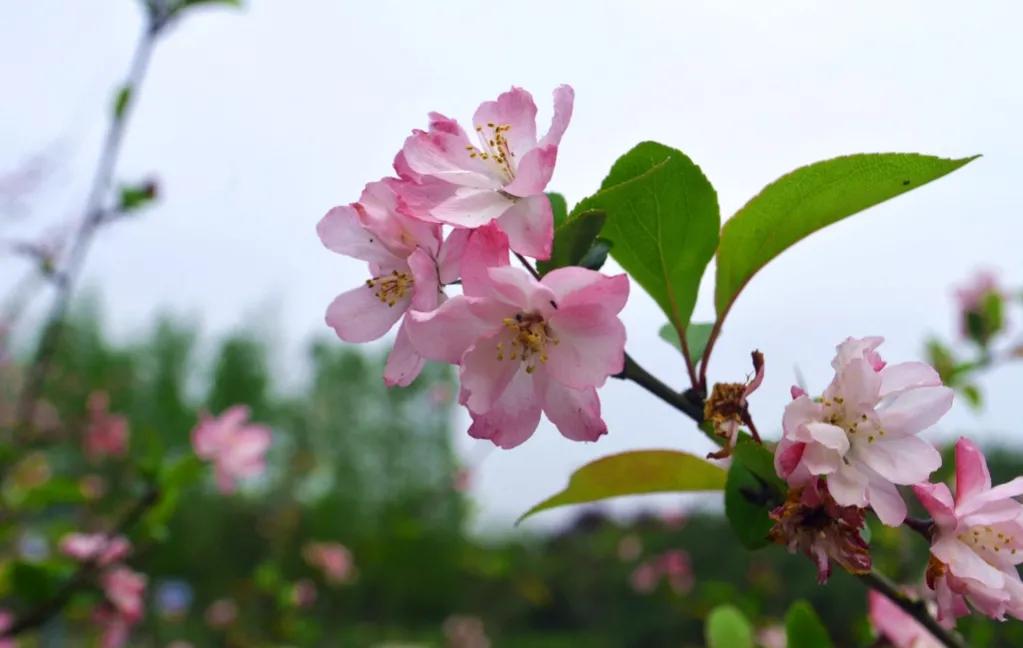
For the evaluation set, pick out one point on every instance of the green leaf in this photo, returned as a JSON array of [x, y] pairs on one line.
[[596, 256], [634, 473], [573, 239], [558, 207], [752, 490], [137, 196], [697, 336], [973, 396], [808, 199], [728, 628], [121, 101], [804, 629], [662, 220]]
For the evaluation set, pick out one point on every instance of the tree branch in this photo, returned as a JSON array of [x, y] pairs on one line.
[[915, 609]]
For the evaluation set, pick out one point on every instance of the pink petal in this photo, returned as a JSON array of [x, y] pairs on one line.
[[901, 460], [820, 460], [573, 285], [590, 345], [937, 499], [828, 435], [487, 369], [529, 224], [445, 333], [972, 476], [907, 375], [858, 348], [360, 316], [575, 412], [798, 412], [512, 419], [449, 261], [533, 172], [564, 98], [787, 457], [341, 231], [915, 410], [964, 562], [486, 248], [884, 498], [426, 290], [514, 108], [848, 486], [442, 153], [471, 208], [858, 383], [403, 362], [515, 287]]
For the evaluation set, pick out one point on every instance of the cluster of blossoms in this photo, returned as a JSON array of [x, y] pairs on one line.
[[124, 588], [236, 447], [850, 449], [452, 216]]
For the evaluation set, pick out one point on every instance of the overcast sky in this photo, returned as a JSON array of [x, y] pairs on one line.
[[257, 121]]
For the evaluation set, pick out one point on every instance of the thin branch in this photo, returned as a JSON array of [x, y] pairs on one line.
[[915, 609], [93, 217], [528, 266], [705, 360], [85, 574], [924, 527], [687, 402]]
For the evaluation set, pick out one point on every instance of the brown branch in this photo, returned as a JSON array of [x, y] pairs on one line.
[[85, 574], [915, 609]]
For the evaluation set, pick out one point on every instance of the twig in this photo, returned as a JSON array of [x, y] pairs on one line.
[[93, 217], [915, 609], [711, 341], [922, 526], [43, 612]]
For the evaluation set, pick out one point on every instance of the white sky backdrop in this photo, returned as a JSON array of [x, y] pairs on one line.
[[258, 121]]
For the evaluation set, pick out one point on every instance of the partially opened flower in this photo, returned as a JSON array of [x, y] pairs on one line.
[[408, 265], [978, 540], [862, 434], [106, 434], [895, 625], [812, 522], [95, 547], [981, 311], [501, 177], [526, 346], [236, 447]]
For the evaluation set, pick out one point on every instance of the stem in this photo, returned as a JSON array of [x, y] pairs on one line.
[[49, 608], [528, 266], [92, 219], [687, 402], [922, 526], [714, 333], [915, 609]]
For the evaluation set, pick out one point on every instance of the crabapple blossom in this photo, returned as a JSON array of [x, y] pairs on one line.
[[106, 433], [892, 623], [408, 264], [235, 446], [501, 178], [526, 346], [124, 589], [95, 547], [861, 434], [977, 540], [980, 307]]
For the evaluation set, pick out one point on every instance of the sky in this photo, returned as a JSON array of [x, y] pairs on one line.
[[259, 120]]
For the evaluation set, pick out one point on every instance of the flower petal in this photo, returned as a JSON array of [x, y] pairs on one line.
[[848, 486], [444, 153], [342, 231], [360, 316], [914, 410], [972, 476], [533, 172], [907, 375], [884, 498], [471, 208], [444, 334], [937, 499], [564, 98], [575, 412], [575, 285], [590, 345], [529, 224], [514, 109], [403, 362], [487, 369], [513, 418], [900, 460]]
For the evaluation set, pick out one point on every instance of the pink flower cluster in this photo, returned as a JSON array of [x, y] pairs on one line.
[[333, 559], [106, 434], [124, 588], [524, 346], [236, 447], [673, 566], [858, 442]]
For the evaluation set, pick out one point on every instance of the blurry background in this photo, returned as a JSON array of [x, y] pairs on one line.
[[255, 122]]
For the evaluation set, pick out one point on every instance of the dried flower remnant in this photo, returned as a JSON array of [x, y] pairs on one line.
[[726, 408]]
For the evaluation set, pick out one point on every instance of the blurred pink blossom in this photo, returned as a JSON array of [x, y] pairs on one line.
[[236, 447], [221, 613], [6, 619], [124, 589], [645, 577], [464, 631], [970, 296], [772, 636], [333, 559], [97, 547], [303, 593], [902, 630], [106, 433], [673, 565]]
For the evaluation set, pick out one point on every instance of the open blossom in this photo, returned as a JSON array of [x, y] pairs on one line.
[[408, 264], [895, 625], [500, 178], [977, 542], [526, 346], [861, 434], [236, 447], [332, 558], [812, 522], [124, 589], [95, 547], [106, 433]]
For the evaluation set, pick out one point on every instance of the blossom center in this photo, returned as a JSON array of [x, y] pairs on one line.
[[530, 337], [494, 148], [857, 425], [989, 540], [390, 288]]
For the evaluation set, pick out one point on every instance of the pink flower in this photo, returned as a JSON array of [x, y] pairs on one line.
[[221, 613], [236, 447], [644, 578], [124, 589], [95, 547], [408, 264], [971, 295], [677, 568], [6, 619], [333, 559], [116, 628], [862, 434], [106, 434], [902, 630], [502, 179], [976, 319], [977, 540], [303, 593], [526, 346]]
